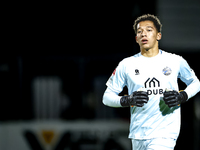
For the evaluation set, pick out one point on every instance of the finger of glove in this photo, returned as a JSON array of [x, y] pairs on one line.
[[139, 104], [171, 101], [142, 101], [173, 104], [170, 93], [142, 97], [141, 93], [167, 98]]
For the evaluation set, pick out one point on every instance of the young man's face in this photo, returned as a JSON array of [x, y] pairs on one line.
[[147, 35]]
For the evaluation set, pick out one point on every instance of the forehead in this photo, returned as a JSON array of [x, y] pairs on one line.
[[145, 24]]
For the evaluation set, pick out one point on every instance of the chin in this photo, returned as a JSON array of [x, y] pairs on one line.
[[146, 48]]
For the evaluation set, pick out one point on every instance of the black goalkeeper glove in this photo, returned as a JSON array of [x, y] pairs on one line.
[[137, 98], [174, 98]]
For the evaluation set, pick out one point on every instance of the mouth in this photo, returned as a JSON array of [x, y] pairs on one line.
[[144, 41]]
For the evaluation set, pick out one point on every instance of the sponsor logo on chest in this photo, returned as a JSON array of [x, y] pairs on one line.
[[153, 86]]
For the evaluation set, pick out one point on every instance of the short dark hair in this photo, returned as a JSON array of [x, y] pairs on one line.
[[149, 17]]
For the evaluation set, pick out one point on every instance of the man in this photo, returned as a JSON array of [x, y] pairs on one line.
[[154, 97]]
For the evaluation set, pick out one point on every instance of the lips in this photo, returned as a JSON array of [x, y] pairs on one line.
[[144, 41]]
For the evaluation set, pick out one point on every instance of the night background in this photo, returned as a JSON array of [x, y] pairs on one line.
[[57, 57]]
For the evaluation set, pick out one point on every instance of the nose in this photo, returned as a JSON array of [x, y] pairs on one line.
[[144, 33]]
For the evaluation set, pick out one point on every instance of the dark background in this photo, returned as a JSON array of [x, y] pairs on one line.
[[77, 41]]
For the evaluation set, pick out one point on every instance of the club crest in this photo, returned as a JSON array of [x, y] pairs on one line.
[[167, 71]]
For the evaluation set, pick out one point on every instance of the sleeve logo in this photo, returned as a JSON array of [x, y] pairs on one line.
[[114, 72]]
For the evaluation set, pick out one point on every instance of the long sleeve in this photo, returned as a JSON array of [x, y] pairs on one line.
[[111, 98], [115, 85], [188, 76]]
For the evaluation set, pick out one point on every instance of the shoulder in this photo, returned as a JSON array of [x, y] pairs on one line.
[[130, 59], [172, 56]]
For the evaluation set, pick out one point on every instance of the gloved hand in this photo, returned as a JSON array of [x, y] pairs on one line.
[[174, 98], [137, 98]]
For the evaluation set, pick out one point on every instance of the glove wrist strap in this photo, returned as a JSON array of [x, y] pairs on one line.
[[124, 101], [184, 96]]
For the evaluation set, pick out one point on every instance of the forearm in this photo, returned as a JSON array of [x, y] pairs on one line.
[[111, 98], [193, 88]]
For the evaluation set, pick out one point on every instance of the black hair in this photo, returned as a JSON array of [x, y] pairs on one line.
[[149, 17]]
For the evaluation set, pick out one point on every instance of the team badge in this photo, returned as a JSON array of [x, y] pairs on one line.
[[167, 71]]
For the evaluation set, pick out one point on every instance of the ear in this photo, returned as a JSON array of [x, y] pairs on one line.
[[136, 39], [159, 36]]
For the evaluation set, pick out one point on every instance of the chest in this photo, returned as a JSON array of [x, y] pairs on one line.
[[152, 73]]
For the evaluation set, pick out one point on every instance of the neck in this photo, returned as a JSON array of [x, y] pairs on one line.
[[150, 52]]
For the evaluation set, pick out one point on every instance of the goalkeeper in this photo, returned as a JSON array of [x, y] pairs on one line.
[[154, 97]]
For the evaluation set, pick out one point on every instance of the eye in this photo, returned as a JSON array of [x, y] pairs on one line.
[[139, 31], [149, 30]]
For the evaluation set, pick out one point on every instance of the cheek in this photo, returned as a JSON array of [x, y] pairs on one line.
[[153, 37]]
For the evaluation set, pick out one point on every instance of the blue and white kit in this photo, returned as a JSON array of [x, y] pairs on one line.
[[155, 119]]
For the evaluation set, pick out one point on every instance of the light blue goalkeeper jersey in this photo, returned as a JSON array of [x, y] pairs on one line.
[[155, 74]]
